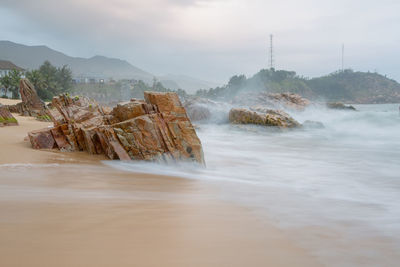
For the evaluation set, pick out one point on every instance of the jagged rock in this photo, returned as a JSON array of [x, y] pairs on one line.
[[31, 104], [42, 139], [29, 96], [6, 118], [290, 100], [132, 109], [313, 124], [272, 101], [260, 116], [339, 105], [156, 129]]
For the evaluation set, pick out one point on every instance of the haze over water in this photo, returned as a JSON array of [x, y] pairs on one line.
[[335, 190], [340, 184]]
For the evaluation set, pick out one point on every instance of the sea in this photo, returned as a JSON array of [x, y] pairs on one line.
[[336, 189]]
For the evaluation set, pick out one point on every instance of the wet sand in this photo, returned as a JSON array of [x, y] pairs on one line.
[[67, 209], [6, 101]]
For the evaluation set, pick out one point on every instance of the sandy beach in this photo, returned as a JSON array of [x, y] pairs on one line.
[[68, 209]]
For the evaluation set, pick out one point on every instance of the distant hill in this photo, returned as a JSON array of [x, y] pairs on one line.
[[345, 86], [31, 57], [356, 87]]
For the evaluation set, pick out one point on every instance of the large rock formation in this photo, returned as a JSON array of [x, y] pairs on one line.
[[6, 118], [261, 116], [31, 104], [157, 129], [272, 101]]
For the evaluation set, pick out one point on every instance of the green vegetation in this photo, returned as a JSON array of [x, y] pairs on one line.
[[10, 82], [345, 86], [8, 120], [356, 87], [274, 81], [121, 90], [43, 118], [48, 80]]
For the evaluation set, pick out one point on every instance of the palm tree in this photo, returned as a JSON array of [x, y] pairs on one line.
[[15, 76], [36, 78], [6, 83]]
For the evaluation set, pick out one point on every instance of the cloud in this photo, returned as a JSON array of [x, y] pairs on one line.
[[214, 39]]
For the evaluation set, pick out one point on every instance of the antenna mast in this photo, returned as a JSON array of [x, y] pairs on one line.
[[271, 51], [342, 57]]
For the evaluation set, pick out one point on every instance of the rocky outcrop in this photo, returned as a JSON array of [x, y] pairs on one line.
[[272, 101], [156, 129], [6, 118], [340, 105], [31, 104], [42, 139], [265, 117], [290, 100]]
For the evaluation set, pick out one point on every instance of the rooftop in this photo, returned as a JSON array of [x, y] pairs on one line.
[[8, 65]]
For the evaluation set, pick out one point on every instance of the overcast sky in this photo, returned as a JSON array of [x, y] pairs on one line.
[[214, 39]]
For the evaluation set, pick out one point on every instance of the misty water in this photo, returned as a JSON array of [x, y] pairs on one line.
[[337, 189]]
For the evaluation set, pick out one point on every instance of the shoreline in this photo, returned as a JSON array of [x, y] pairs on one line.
[[80, 212]]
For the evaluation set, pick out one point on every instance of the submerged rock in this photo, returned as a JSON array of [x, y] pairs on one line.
[[204, 110], [340, 105], [6, 118], [198, 109], [265, 117], [157, 129]]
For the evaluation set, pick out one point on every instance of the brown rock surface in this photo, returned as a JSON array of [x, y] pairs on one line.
[[290, 100], [31, 104], [272, 100], [265, 117], [157, 129], [6, 118], [42, 139]]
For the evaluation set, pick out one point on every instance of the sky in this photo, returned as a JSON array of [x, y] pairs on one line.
[[215, 39]]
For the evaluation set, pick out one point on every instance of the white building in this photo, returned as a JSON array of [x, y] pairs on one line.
[[7, 66]]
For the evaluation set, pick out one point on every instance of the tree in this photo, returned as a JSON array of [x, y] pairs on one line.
[[5, 81], [49, 74], [37, 80], [50, 80], [15, 77], [64, 78], [235, 84]]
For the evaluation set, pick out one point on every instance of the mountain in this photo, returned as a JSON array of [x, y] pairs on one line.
[[31, 57], [345, 86]]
